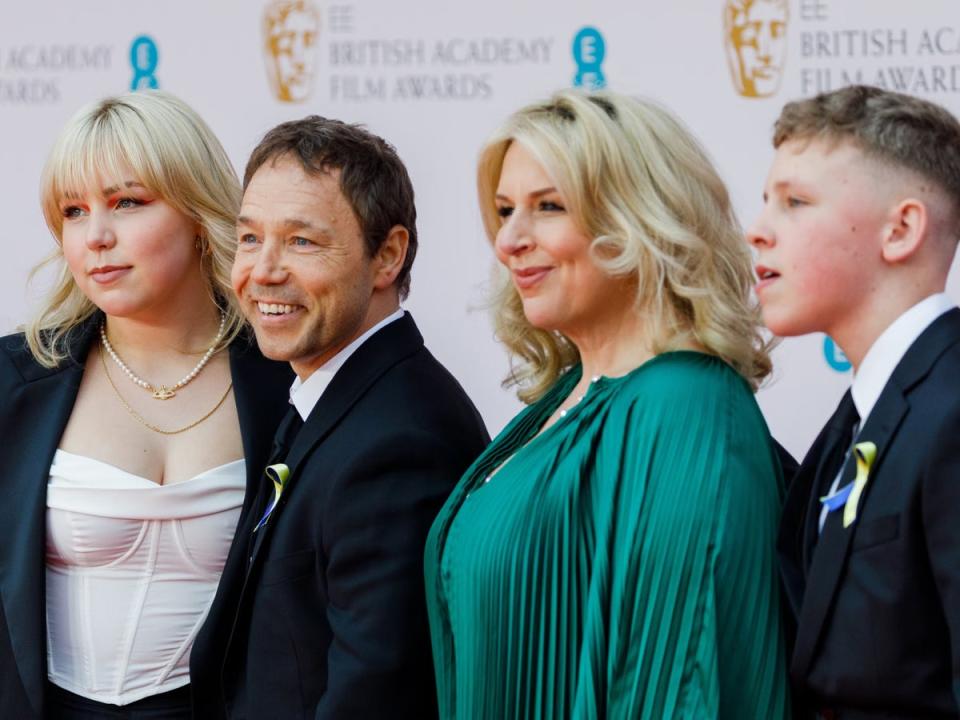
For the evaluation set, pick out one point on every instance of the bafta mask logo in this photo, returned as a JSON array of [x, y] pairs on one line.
[[755, 36], [290, 32]]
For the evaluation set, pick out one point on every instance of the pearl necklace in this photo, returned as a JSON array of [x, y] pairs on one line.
[[140, 419], [163, 392]]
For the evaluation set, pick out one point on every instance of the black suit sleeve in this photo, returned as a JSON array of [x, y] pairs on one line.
[[379, 513], [787, 463], [941, 523]]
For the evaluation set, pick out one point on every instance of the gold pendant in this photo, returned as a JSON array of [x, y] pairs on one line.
[[162, 393]]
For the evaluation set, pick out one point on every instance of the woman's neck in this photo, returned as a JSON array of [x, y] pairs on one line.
[[613, 348], [154, 339]]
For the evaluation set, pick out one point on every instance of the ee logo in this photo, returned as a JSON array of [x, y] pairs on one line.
[[588, 53], [144, 58], [834, 355]]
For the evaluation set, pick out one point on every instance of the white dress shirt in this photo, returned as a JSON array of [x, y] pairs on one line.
[[888, 350], [305, 394]]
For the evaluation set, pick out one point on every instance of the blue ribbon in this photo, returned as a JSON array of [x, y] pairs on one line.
[[838, 499]]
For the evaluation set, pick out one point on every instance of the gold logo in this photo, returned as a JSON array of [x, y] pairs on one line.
[[290, 32], [755, 38]]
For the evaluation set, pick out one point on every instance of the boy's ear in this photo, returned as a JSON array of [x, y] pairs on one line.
[[390, 256], [906, 232]]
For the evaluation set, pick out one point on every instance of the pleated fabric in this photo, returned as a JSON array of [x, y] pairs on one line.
[[621, 564]]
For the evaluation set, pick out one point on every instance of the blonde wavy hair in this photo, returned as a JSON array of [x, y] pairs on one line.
[[172, 152], [638, 183]]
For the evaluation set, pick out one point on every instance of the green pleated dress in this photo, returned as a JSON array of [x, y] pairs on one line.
[[621, 564]]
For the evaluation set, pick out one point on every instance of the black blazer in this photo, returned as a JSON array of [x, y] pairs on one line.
[[327, 619], [36, 404], [878, 603]]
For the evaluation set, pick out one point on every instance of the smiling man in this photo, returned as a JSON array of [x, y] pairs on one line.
[[321, 611]]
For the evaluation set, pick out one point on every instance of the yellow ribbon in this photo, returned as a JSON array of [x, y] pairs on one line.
[[865, 453], [279, 474]]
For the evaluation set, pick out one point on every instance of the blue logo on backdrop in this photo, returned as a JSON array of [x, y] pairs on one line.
[[834, 355], [588, 53], [144, 58]]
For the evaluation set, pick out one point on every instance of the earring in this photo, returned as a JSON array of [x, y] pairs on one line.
[[198, 243]]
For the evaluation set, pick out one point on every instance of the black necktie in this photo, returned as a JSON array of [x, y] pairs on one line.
[[285, 435], [843, 426], [282, 440]]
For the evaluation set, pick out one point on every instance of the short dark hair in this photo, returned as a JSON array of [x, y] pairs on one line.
[[898, 130], [373, 178]]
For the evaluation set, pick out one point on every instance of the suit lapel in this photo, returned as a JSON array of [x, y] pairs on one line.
[[261, 397], [829, 463], [251, 398], [832, 550], [37, 412], [246, 364], [802, 505], [383, 350]]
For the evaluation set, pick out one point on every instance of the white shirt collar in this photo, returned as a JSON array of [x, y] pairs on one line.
[[304, 395], [888, 350]]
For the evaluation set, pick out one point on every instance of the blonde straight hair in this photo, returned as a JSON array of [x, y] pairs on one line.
[[643, 188], [172, 152]]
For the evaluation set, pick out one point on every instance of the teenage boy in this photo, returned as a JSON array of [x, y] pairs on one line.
[[856, 237]]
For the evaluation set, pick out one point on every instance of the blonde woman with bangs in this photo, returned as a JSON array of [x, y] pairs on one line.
[[137, 413], [612, 552]]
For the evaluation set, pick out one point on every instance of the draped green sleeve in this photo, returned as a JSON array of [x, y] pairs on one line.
[[620, 564]]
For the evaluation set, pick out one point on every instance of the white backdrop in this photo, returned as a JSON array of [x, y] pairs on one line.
[[435, 78]]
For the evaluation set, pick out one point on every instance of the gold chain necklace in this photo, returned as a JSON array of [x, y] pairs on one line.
[[162, 392], [139, 418]]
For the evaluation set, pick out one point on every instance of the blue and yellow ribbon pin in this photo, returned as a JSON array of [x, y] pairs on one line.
[[865, 453], [279, 474]]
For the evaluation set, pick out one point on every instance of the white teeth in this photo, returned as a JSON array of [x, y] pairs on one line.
[[274, 308]]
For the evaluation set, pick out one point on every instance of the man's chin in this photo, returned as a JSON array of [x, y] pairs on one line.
[[273, 347]]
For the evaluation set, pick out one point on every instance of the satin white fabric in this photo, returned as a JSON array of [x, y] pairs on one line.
[[131, 571]]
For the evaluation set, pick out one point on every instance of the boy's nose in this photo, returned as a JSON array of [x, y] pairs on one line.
[[759, 234]]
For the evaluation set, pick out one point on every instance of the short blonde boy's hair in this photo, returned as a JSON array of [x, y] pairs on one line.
[[896, 130]]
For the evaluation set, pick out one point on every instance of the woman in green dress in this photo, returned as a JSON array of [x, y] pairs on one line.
[[611, 554]]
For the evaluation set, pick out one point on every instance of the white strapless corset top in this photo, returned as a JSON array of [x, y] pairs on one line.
[[132, 568]]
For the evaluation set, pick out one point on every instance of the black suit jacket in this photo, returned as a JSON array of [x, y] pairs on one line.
[[328, 617], [878, 603], [35, 404]]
